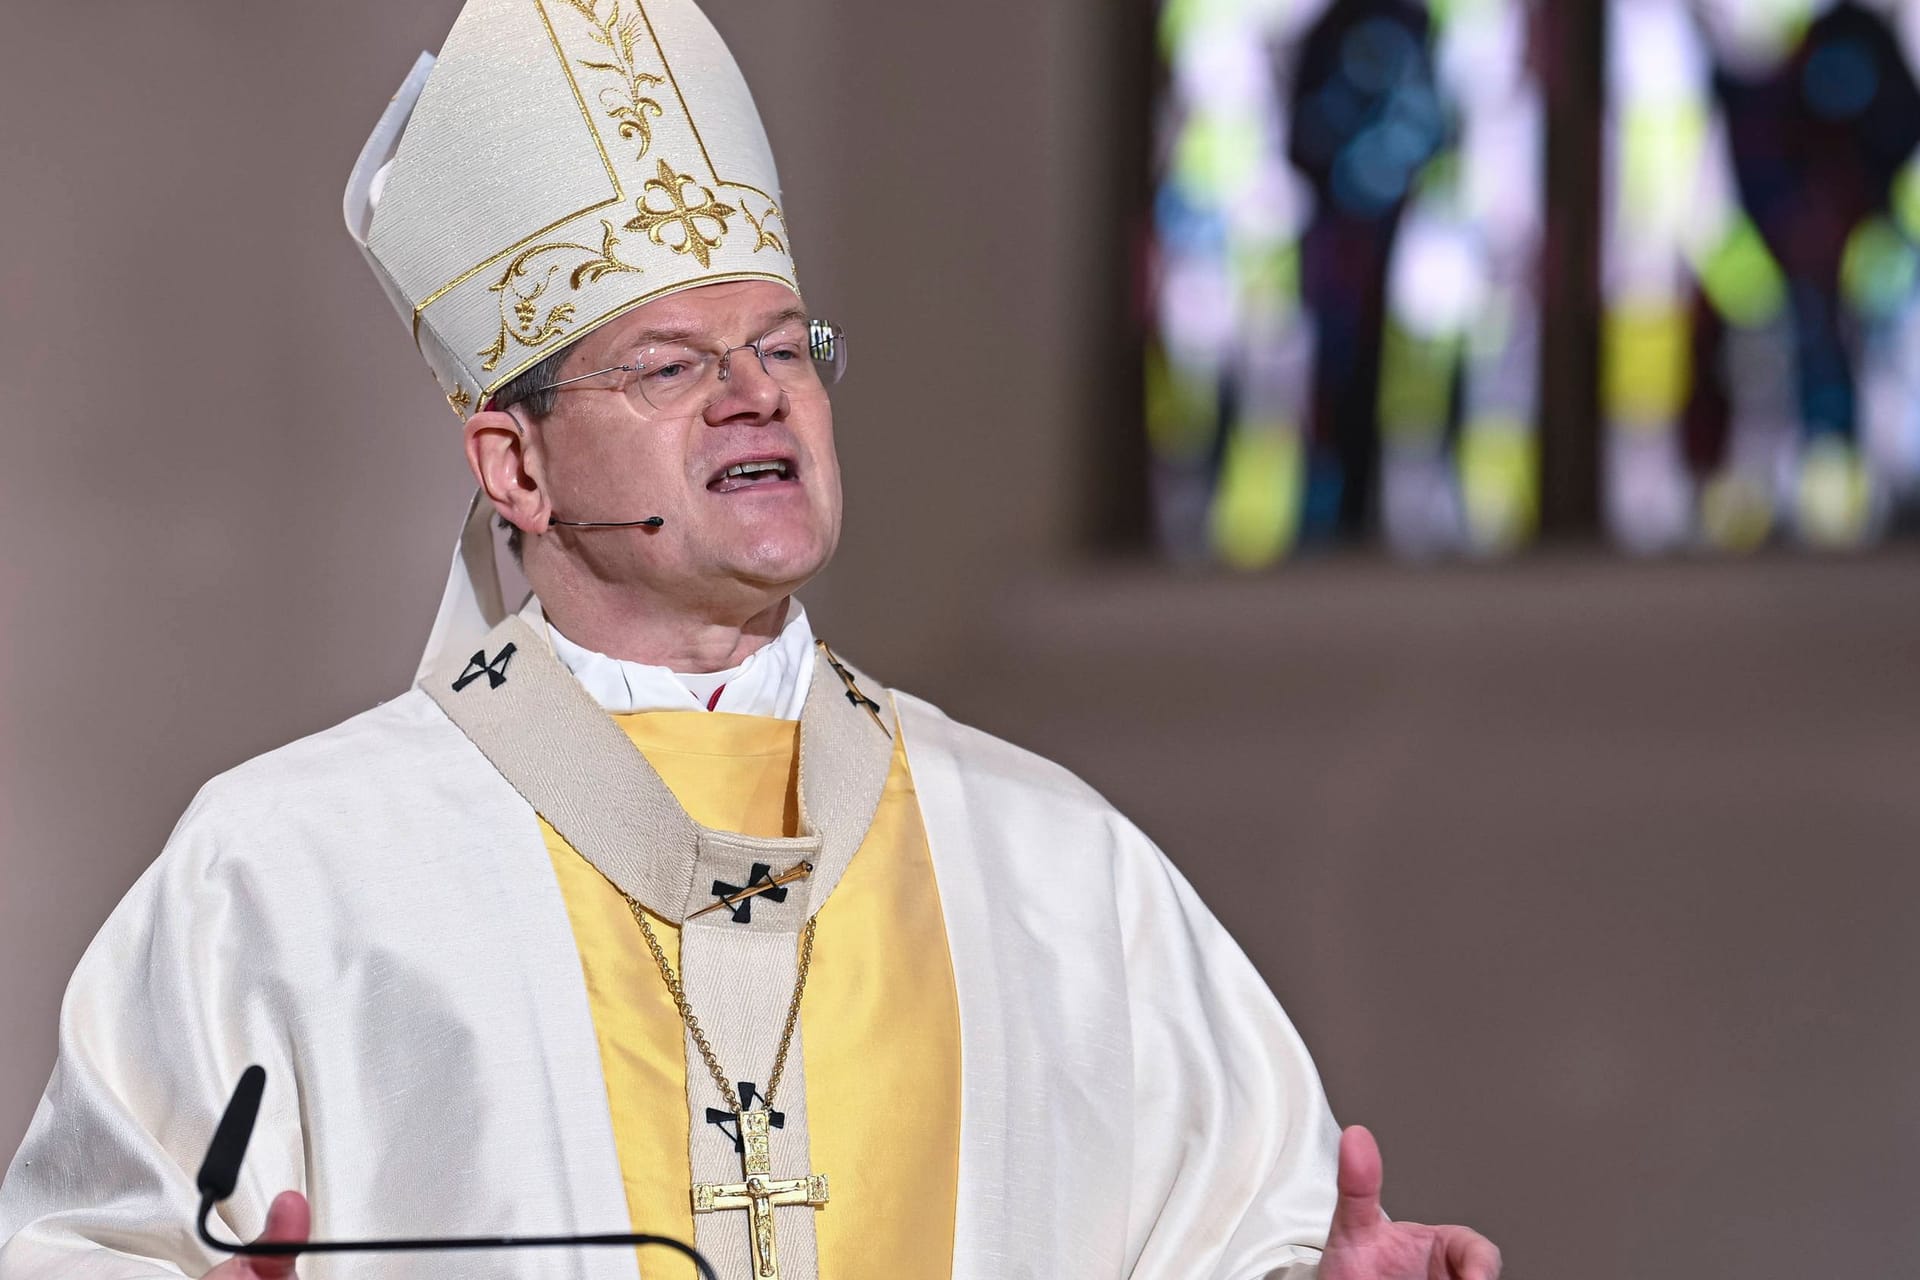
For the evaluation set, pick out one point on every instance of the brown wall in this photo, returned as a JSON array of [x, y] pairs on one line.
[[1587, 882]]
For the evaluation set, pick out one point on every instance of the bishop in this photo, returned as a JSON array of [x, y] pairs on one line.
[[491, 939]]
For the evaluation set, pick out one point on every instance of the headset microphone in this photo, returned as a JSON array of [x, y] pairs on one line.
[[651, 522]]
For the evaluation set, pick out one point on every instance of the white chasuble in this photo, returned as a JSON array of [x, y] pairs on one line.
[[371, 914]]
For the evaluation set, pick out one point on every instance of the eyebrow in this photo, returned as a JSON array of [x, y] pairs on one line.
[[679, 334]]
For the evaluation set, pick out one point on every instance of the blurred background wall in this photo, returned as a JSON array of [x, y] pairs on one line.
[[1587, 879]]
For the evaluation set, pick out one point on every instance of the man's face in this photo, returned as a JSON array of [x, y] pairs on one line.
[[728, 542]]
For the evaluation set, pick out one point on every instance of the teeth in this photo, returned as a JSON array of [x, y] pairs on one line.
[[755, 468]]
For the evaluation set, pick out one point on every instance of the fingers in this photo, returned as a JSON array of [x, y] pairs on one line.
[[289, 1220], [1452, 1253], [1470, 1255], [1357, 1211]]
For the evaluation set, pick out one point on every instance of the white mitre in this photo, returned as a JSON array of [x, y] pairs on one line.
[[561, 163]]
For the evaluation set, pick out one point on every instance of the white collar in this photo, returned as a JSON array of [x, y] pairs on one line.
[[773, 681]]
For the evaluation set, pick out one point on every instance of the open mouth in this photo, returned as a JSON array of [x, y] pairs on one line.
[[755, 473]]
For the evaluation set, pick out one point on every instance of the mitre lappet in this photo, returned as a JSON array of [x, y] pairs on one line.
[[559, 164]]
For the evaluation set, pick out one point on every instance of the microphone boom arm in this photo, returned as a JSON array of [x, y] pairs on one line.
[[294, 1248], [220, 1173], [651, 522]]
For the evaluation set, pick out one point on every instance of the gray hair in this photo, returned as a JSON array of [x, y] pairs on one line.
[[533, 391]]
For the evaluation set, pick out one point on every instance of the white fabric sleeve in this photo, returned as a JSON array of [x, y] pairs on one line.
[[167, 1007], [1235, 1146]]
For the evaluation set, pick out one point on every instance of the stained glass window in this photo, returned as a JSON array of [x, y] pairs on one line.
[[1344, 272], [1342, 277], [1761, 343]]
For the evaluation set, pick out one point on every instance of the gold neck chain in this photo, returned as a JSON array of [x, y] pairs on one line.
[[680, 1002]]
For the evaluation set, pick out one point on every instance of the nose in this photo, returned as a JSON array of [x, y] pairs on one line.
[[753, 395]]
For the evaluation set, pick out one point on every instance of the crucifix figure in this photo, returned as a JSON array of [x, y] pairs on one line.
[[760, 1192]]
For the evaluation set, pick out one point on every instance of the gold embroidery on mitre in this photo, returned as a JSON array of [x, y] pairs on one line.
[[620, 35], [521, 318], [459, 401], [767, 240], [551, 285], [672, 187]]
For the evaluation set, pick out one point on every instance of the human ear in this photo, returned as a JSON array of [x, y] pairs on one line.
[[505, 462]]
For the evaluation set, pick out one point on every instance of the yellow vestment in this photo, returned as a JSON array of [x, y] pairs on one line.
[[880, 1022]]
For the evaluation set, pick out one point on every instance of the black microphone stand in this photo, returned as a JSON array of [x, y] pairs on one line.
[[220, 1173], [288, 1249]]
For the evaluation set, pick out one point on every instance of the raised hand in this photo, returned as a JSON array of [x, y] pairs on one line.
[[289, 1219], [1363, 1245]]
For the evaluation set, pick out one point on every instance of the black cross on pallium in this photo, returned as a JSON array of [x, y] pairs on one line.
[[495, 671], [729, 1124], [742, 912]]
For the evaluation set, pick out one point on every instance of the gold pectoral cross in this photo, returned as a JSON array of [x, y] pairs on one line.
[[760, 1192]]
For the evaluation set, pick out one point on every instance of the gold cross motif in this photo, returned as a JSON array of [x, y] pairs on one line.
[[760, 1192], [689, 218]]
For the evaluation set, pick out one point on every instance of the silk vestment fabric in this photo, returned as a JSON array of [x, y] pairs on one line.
[[371, 914], [882, 1025]]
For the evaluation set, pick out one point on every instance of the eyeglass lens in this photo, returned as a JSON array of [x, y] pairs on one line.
[[801, 356]]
